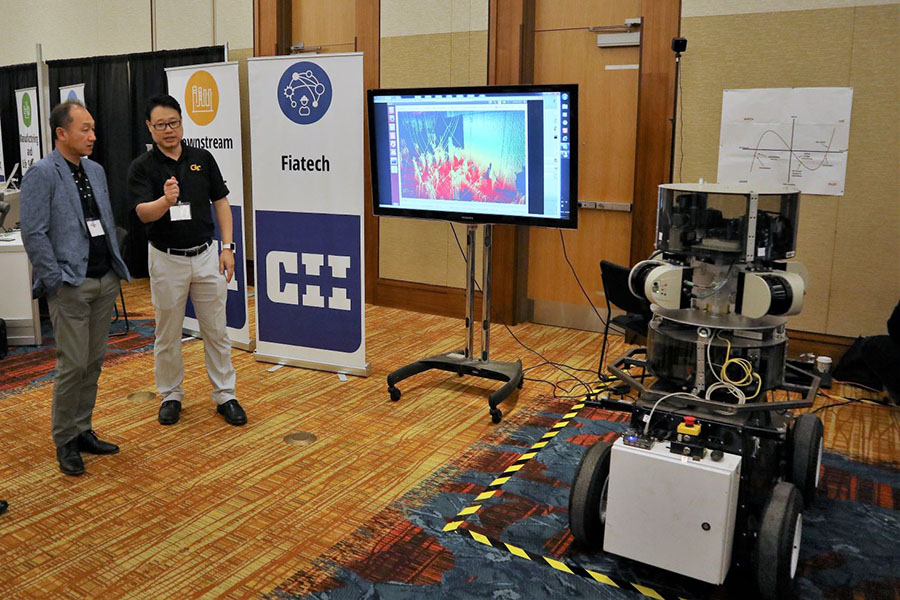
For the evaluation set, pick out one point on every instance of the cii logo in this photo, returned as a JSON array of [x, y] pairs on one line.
[[311, 280], [304, 93], [201, 98]]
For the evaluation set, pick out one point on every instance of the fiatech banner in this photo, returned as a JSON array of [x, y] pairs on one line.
[[29, 132], [72, 92], [306, 120], [211, 115]]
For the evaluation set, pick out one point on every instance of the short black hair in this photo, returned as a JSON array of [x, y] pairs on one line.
[[61, 115], [162, 100]]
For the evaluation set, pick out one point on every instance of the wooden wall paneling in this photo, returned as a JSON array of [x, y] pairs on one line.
[[606, 145], [368, 41], [661, 22], [504, 58], [576, 14], [271, 27], [330, 24], [865, 283]]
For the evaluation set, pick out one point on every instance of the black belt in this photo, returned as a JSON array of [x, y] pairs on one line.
[[183, 252]]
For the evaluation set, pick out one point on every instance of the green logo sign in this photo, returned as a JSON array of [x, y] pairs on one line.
[[26, 109]]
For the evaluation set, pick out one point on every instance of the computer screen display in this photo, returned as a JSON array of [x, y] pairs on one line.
[[492, 154]]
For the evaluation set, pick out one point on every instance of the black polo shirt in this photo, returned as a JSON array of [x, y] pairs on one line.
[[98, 254], [200, 183]]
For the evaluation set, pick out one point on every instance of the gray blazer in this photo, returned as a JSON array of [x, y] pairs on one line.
[[54, 231]]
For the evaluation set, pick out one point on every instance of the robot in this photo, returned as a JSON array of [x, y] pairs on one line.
[[713, 474]]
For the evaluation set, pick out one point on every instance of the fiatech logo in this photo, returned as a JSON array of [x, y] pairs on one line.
[[201, 98], [26, 109], [304, 93]]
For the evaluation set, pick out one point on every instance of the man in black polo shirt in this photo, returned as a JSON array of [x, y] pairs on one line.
[[174, 189], [70, 236]]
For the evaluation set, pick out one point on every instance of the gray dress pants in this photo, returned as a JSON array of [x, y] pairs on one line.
[[81, 316]]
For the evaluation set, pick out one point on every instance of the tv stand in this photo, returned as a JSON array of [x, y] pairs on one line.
[[464, 362]]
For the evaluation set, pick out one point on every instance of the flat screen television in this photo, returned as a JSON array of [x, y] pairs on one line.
[[490, 154]]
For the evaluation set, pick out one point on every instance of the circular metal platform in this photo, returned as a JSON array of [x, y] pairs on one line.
[[699, 318]]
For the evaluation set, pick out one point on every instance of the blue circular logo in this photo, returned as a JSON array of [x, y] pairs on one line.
[[304, 93]]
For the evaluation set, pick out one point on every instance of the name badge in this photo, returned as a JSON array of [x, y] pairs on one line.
[[95, 227], [180, 212]]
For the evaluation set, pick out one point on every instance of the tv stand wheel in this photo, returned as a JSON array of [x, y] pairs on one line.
[[496, 415], [395, 393]]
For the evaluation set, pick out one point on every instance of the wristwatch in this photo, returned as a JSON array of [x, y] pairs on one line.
[[228, 246]]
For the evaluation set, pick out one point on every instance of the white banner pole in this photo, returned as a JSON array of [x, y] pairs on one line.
[[306, 118]]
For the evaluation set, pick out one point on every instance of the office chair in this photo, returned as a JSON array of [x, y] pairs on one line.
[[122, 234], [637, 310]]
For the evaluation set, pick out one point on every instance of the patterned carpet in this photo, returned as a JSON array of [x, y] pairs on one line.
[[517, 545], [205, 510]]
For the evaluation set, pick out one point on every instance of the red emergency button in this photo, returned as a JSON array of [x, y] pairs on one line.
[[690, 420]]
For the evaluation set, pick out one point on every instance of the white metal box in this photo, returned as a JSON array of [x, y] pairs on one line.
[[671, 511]]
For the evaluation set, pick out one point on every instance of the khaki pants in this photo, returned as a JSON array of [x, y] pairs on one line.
[[80, 317], [172, 279]]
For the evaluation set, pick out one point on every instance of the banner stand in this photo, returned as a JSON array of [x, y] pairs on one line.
[[306, 119], [211, 115]]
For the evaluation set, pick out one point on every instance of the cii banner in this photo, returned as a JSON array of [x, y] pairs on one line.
[[72, 92], [306, 119], [211, 115], [29, 131]]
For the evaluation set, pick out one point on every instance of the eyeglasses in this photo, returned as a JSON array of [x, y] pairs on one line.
[[162, 126]]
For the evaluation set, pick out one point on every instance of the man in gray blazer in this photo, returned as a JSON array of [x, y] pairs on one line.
[[70, 237]]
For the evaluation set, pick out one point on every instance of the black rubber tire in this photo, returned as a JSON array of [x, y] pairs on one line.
[[776, 543], [806, 455], [587, 500], [496, 415], [395, 393]]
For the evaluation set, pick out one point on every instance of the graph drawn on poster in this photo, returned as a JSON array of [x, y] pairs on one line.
[[794, 136]]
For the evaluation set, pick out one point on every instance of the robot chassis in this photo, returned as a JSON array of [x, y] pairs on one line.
[[710, 475]]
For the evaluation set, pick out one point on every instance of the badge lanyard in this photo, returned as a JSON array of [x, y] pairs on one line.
[[181, 211]]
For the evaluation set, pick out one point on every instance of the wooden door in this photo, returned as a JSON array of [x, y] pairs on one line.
[[566, 51]]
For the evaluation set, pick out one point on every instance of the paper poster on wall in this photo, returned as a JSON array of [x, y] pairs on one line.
[[29, 130], [793, 136], [72, 92], [211, 118], [306, 120]]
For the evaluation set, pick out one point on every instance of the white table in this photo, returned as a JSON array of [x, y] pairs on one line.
[[17, 308]]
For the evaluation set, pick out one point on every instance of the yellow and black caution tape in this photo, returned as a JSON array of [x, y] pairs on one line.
[[497, 483], [567, 567]]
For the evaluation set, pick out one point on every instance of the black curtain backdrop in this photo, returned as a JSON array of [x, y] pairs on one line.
[[148, 77], [116, 89], [108, 98], [12, 78]]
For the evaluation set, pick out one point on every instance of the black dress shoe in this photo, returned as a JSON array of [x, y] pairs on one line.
[[233, 413], [89, 442], [3, 506], [169, 411], [69, 459]]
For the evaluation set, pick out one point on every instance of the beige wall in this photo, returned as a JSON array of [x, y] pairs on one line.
[[79, 28], [429, 43], [850, 243], [76, 28]]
